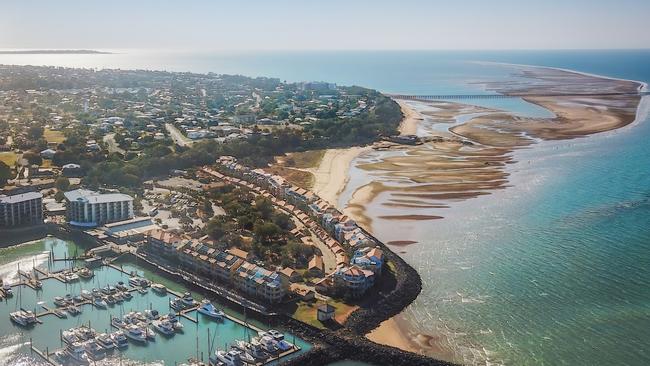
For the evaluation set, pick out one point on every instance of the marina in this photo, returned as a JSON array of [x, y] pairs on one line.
[[173, 336]]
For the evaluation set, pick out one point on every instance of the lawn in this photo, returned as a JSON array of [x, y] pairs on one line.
[[298, 177], [306, 312], [8, 158], [305, 160], [53, 136]]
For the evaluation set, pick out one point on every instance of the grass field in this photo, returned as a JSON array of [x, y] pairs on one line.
[[53, 136], [306, 312], [8, 158], [304, 160], [298, 177]]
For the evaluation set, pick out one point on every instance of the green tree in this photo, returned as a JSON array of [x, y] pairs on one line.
[[62, 183], [5, 173], [32, 158], [35, 132]]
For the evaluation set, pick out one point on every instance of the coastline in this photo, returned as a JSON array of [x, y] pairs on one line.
[[332, 173], [411, 120]]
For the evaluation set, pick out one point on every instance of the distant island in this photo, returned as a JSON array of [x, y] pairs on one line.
[[57, 52]]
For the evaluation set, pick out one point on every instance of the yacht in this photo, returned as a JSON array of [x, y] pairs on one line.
[[73, 310], [209, 310], [60, 313], [70, 336], [69, 299], [281, 343], [120, 339], [109, 290], [77, 352], [119, 298], [94, 350], [172, 318], [163, 326], [110, 300], [70, 277], [118, 323], [100, 303], [256, 350], [136, 334], [187, 300], [96, 292], [268, 344], [62, 356], [85, 273], [244, 355], [86, 333], [86, 294], [150, 334], [23, 317], [106, 342], [120, 286], [77, 299], [176, 304], [127, 295], [230, 358], [152, 314], [59, 301], [158, 288]]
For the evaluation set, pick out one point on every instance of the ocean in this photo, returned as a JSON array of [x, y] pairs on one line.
[[554, 269]]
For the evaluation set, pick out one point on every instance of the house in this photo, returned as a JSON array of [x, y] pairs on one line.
[[240, 253], [325, 312], [72, 170], [291, 274], [316, 266], [47, 154]]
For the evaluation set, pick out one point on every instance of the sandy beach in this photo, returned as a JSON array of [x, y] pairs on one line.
[[331, 175], [412, 118], [389, 333]]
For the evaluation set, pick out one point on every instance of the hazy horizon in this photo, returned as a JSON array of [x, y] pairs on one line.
[[290, 25]]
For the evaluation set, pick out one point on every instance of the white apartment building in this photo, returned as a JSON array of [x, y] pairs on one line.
[[89, 208]]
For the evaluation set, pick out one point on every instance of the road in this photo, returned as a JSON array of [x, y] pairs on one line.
[[178, 136]]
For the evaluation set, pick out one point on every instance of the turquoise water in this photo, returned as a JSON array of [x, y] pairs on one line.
[[193, 342], [555, 269]]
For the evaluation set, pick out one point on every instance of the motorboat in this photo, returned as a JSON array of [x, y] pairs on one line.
[[278, 336], [210, 310], [163, 326], [150, 334], [77, 299], [86, 333], [100, 303], [60, 313], [73, 310], [120, 340], [86, 294], [106, 342], [127, 295], [268, 344], [70, 336], [136, 333], [69, 299], [241, 345], [152, 314], [37, 284], [188, 300], [120, 286], [256, 350], [134, 281], [77, 352], [110, 300], [142, 290], [109, 290], [60, 301], [85, 273], [244, 356], [96, 292], [94, 350], [23, 317], [70, 277], [62, 356], [230, 358], [172, 318], [118, 323], [176, 304], [119, 298], [159, 289]]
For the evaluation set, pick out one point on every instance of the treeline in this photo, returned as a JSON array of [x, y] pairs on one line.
[[257, 150]]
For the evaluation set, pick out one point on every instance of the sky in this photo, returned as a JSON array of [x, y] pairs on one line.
[[324, 25]]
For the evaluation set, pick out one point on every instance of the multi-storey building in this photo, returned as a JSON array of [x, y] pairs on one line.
[[89, 208], [21, 209]]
